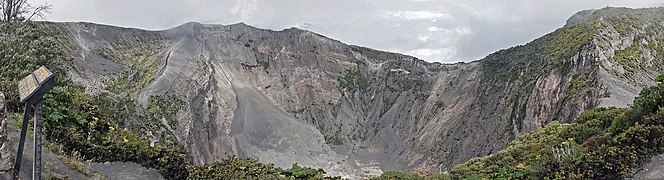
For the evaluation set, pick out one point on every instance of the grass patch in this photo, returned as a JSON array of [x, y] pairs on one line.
[[233, 168], [440, 105], [353, 81], [336, 140], [165, 106]]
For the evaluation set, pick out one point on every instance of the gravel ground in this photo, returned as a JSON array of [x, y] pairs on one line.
[[652, 170]]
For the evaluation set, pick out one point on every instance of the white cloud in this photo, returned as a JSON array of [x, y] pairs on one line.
[[433, 30], [423, 37], [418, 15], [434, 54], [419, 0], [462, 30], [246, 8], [394, 25]]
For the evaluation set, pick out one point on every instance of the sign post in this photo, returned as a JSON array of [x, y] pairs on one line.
[[31, 90]]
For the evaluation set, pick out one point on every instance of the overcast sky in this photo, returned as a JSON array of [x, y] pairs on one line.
[[433, 30]]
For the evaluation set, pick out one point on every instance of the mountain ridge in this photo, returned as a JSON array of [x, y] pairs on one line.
[[243, 36], [374, 109]]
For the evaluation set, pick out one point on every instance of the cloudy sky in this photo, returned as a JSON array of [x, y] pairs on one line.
[[433, 30]]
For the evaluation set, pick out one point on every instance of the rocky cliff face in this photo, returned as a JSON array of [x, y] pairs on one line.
[[6, 163], [295, 96]]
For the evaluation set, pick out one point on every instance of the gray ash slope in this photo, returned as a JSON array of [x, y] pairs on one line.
[[293, 96]]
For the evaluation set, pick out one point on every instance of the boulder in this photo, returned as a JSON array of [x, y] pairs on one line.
[[6, 163]]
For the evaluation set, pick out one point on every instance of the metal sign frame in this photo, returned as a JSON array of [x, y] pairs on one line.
[[32, 89]]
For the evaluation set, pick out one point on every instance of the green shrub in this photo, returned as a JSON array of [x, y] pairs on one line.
[[393, 175], [73, 121], [165, 106], [336, 140], [440, 105], [581, 132], [660, 78], [302, 173], [353, 81], [233, 168], [604, 115]]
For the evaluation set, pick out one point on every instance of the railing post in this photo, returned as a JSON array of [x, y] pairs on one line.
[[36, 165], [21, 142]]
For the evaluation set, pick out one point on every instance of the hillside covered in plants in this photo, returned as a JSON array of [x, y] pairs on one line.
[[602, 143]]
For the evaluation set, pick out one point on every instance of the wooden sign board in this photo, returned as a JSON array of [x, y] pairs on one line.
[[27, 86], [31, 83], [42, 74]]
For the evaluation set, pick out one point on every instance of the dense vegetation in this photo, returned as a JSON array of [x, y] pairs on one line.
[[647, 39], [21, 52], [77, 122], [233, 168], [603, 143], [166, 107]]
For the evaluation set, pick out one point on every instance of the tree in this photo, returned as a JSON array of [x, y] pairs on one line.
[[20, 10]]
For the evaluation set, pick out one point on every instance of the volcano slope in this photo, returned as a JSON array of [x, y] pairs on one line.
[[293, 96]]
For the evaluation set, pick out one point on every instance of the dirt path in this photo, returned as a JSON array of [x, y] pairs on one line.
[[54, 166]]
